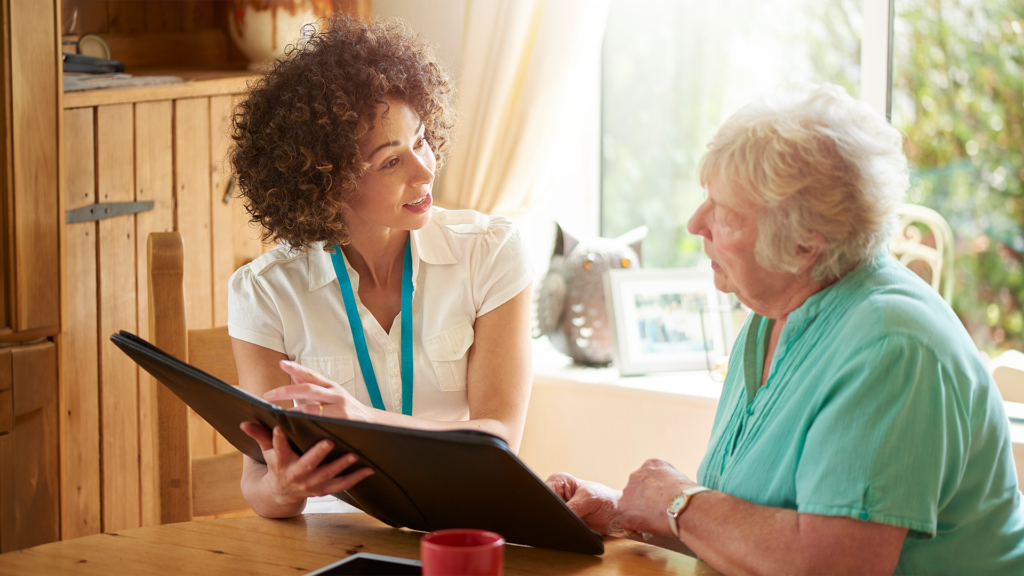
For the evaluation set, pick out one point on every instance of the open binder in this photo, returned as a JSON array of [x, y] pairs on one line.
[[423, 480]]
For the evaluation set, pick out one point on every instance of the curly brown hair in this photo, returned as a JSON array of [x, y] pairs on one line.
[[295, 153]]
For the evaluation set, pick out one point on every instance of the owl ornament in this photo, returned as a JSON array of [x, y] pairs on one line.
[[570, 301]]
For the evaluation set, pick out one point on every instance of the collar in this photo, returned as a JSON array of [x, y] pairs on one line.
[[428, 245], [830, 296]]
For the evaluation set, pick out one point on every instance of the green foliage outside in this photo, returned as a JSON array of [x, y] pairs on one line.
[[958, 94]]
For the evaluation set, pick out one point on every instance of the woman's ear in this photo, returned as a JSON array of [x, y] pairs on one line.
[[807, 252]]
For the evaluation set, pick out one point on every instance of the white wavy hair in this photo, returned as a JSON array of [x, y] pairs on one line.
[[812, 159]]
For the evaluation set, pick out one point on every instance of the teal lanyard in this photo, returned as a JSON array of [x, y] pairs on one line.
[[359, 339]]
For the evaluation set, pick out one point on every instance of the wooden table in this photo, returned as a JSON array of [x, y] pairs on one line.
[[255, 545]]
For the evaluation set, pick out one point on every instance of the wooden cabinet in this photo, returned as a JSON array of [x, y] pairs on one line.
[[30, 258], [29, 480], [77, 445]]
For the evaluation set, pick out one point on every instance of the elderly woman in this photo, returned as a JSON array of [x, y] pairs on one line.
[[374, 306], [858, 430]]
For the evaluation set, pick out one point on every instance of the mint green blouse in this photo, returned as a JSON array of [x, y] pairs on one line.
[[878, 407]]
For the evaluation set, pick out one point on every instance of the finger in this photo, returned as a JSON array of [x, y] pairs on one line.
[[561, 487], [282, 450], [582, 506], [314, 409], [347, 481], [310, 461], [308, 392], [301, 374], [331, 470], [259, 433], [562, 484]]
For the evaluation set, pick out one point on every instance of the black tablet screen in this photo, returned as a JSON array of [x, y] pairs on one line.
[[368, 567]]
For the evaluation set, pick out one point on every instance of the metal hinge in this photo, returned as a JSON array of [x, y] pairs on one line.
[[95, 212]]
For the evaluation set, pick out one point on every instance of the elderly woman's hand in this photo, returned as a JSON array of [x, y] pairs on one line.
[[323, 397], [647, 496], [595, 504]]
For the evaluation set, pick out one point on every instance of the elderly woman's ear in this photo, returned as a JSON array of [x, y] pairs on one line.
[[807, 252]]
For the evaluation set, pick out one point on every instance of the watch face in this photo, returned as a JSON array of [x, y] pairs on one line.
[[678, 504]]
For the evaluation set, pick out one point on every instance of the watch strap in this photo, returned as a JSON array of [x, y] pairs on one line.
[[679, 504]]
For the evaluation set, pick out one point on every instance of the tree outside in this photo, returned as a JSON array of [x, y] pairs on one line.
[[958, 94]]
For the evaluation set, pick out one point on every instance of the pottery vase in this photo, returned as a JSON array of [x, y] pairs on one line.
[[262, 29]]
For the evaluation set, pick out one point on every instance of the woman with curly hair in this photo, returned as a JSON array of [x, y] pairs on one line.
[[375, 306]]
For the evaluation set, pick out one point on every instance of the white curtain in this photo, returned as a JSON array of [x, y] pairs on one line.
[[516, 56]]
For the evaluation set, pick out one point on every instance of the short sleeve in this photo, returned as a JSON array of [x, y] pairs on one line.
[[892, 412], [501, 268], [252, 314]]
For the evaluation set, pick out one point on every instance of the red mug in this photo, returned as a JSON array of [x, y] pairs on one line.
[[462, 552]]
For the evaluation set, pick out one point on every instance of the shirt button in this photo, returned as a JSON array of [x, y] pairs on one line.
[[455, 348], [391, 350]]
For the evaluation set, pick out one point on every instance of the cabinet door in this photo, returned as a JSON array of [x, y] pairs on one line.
[[29, 469], [34, 115]]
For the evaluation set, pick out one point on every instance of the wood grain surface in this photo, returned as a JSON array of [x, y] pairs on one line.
[[154, 181], [115, 182], [34, 129], [81, 454], [168, 332], [298, 545], [192, 183], [29, 479], [220, 205]]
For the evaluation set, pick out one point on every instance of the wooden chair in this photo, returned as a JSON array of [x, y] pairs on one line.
[[188, 487], [910, 249]]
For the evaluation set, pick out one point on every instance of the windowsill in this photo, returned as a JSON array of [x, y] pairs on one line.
[[1015, 411], [551, 367]]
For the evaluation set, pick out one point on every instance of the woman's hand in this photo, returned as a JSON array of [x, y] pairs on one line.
[[291, 478], [595, 504], [647, 496], [313, 388]]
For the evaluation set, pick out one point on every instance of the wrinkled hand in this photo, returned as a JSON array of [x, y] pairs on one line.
[[595, 504], [291, 478], [647, 496], [317, 391]]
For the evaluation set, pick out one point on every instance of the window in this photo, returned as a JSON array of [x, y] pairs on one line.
[[673, 70], [958, 94]]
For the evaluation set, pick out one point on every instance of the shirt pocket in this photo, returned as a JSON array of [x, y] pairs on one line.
[[340, 369], [448, 353]]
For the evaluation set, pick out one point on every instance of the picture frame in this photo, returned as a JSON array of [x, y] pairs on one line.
[[666, 320]]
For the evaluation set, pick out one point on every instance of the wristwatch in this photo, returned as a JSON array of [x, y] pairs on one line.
[[679, 504]]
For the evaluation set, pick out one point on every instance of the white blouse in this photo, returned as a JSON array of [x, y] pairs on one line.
[[464, 264]]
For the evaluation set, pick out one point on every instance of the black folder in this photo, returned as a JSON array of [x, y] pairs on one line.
[[422, 480]]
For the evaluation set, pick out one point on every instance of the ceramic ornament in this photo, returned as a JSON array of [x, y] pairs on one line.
[[571, 307]]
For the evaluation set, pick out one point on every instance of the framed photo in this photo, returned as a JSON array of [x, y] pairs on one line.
[[666, 320]]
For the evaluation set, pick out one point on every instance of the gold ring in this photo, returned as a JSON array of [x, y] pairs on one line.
[[321, 408]]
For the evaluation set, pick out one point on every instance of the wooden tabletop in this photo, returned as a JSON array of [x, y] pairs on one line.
[[255, 545]]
